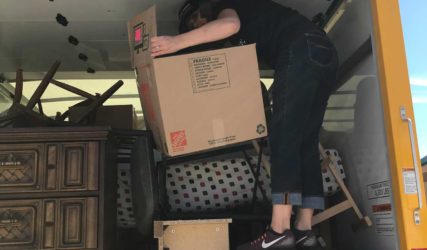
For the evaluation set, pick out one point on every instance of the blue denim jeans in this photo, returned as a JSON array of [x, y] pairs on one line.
[[304, 78]]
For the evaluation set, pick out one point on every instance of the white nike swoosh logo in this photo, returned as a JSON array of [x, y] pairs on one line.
[[266, 245], [303, 238]]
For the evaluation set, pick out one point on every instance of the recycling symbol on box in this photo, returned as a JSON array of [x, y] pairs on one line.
[[260, 129]]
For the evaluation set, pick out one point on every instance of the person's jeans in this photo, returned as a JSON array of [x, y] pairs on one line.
[[303, 81]]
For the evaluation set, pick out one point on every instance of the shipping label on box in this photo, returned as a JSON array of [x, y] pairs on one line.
[[197, 101], [209, 72]]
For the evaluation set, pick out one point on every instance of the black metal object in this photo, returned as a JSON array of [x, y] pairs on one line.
[[145, 191], [256, 175], [73, 40], [61, 19], [332, 9], [83, 57]]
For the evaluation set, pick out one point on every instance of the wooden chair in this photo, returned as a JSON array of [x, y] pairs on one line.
[[19, 115]]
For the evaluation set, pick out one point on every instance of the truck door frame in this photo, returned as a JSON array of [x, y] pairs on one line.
[[392, 70]]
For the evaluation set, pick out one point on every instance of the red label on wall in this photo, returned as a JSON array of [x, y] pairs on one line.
[[178, 140]]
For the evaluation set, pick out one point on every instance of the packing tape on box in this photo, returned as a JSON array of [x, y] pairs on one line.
[[218, 129]]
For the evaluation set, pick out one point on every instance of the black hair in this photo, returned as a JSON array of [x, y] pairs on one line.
[[206, 8]]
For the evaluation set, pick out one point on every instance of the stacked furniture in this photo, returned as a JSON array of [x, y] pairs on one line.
[[58, 188]]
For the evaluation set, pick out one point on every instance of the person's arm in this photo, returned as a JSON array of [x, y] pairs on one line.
[[226, 25]]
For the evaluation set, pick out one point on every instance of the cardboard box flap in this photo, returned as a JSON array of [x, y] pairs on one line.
[[140, 30]]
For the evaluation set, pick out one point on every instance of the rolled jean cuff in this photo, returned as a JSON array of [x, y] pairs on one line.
[[314, 202], [294, 199]]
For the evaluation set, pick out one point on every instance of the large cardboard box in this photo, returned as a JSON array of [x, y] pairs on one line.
[[196, 101]]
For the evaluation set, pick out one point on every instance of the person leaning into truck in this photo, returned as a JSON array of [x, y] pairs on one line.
[[305, 63]]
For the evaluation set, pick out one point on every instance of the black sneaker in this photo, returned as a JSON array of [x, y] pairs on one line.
[[271, 240], [306, 240]]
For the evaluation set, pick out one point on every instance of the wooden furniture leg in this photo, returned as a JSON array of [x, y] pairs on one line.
[[18, 87], [97, 103], [43, 85], [341, 207]]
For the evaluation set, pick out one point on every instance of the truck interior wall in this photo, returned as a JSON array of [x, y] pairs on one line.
[[352, 29], [354, 125], [363, 148]]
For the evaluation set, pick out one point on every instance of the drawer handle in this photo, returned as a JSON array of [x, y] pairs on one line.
[[8, 219], [49, 224], [9, 222], [10, 161], [51, 166]]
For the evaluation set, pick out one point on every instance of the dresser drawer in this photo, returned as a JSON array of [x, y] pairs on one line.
[[21, 167], [19, 222], [49, 224], [50, 167], [71, 223]]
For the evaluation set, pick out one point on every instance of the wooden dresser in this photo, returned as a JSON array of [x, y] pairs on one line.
[[58, 188]]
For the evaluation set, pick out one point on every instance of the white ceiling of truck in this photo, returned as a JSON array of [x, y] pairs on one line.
[[31, 39]]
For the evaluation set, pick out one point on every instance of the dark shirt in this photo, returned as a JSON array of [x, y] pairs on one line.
[[268, 24]]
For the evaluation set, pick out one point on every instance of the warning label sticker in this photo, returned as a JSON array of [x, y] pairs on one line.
[[379, 190], [379, 196], [209, 73], [409, 181]]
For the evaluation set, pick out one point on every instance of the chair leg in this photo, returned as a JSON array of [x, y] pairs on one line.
[[40, 107], [95, 104], [43, 85], [18, 87], [73, 89], [349, 199], [62, 117], [256, 173]]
